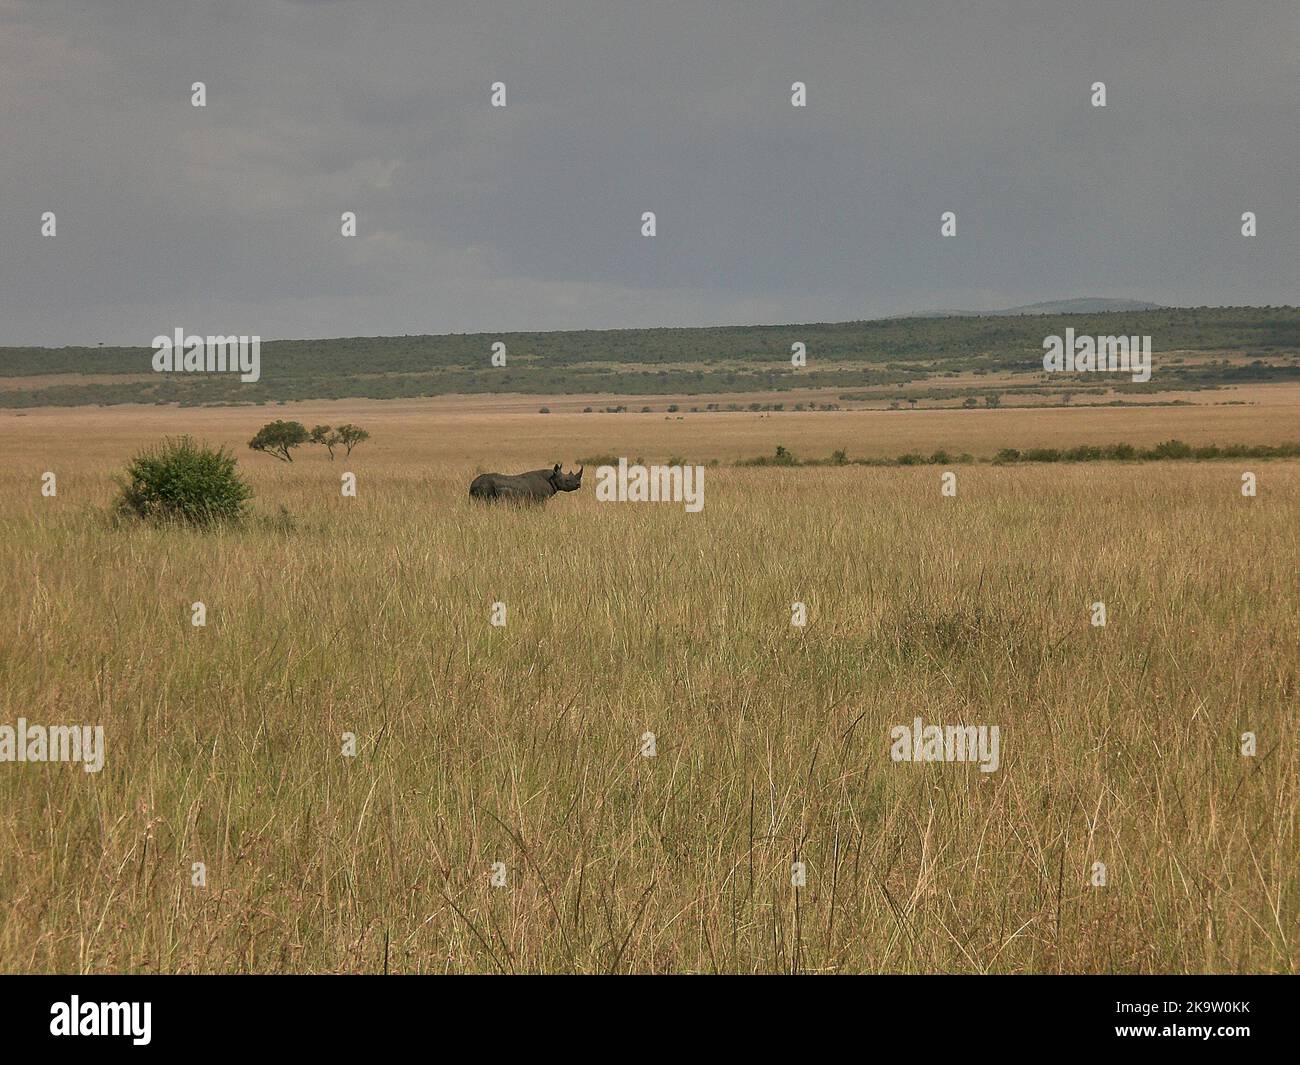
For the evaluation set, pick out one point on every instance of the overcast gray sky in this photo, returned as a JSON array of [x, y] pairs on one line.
[[226, 219]]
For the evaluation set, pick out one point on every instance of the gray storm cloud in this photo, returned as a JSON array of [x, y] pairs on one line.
[[226, 218]]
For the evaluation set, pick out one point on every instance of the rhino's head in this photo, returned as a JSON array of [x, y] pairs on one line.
[[566, 482]]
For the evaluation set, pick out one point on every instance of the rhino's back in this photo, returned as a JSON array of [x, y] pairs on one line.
[[532, 485]]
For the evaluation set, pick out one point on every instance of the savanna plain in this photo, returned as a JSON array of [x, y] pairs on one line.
[[522, 744]]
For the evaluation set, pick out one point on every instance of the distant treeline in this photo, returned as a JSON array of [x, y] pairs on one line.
[[880, 356], [1169, 449]]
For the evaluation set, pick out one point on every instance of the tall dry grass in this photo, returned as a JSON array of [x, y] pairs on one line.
[[520, 744]]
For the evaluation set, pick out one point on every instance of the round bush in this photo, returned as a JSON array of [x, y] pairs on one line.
[[181, 480]]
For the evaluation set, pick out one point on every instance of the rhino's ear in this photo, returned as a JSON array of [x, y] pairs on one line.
[[557, 468]]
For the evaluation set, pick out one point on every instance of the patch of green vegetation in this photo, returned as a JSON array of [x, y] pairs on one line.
[[183, 482]]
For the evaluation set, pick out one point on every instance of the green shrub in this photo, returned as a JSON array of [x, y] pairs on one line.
[[1171, 449], [783, 457], [181, 480]]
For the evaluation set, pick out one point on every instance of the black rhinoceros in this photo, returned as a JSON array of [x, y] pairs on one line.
[[535, 486]]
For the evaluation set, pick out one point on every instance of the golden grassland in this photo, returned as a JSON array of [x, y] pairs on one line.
[[415, 434], [519, 745]]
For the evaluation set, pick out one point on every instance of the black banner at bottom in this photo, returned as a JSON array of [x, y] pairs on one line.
[[1218, 1014]]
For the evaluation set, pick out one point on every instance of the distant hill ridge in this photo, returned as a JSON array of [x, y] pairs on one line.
[[1082, 305], [872, 359]]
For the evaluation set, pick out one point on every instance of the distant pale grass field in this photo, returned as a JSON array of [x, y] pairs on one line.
[[520, 744]]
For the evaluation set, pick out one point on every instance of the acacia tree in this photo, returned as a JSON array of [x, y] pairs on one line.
[[280, 438], [326, 437], [351, 435]]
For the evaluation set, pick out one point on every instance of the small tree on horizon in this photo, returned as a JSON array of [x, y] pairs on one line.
[[325, 436], [351, 435], [280, 438]]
